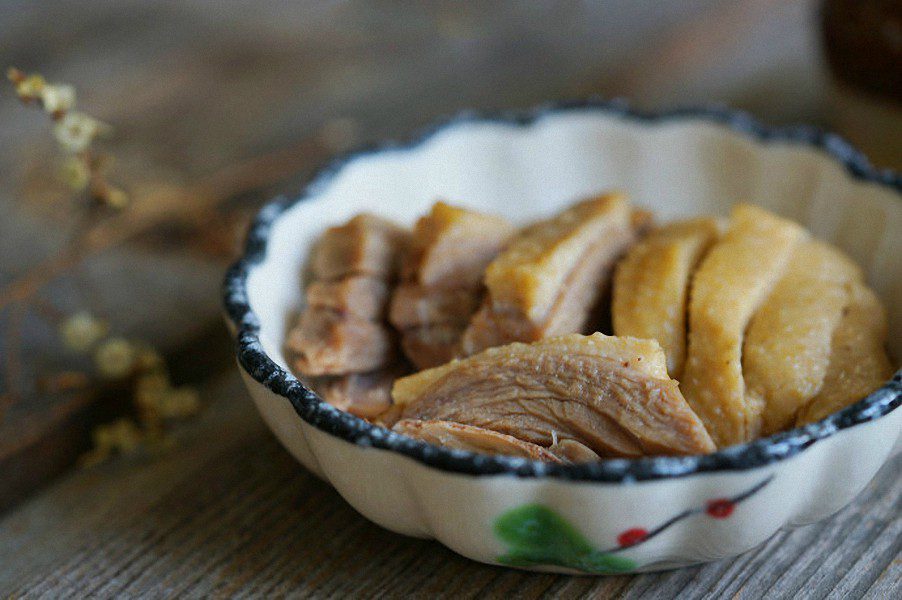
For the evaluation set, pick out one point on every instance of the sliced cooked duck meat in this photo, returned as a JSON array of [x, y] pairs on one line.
[[433, 344], [416, 306], [572, 451], [651, 286], [442, 280], [550, 277], [342, 328], [366, 395], [611, 395], [365, 245], [787, 346], [472, 439], [858, 361], [328, 343], [361, 296], [452, 246], [730, 284]]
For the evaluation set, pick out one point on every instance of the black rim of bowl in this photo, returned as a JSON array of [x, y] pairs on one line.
[[757, 453]]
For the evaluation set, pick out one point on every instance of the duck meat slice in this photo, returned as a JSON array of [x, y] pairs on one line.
[[787, 346], [365, 245], [452, 246], [442, 280], [432, 345], [416, 306], [342, 328], [360, 296], [858, 362], [550, 278], [472, 439], [730, 284], [329, 343], [651, 286], [366, 395], [611, 395]]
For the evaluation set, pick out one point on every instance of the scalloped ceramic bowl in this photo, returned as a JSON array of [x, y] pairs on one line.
[[614, 515]]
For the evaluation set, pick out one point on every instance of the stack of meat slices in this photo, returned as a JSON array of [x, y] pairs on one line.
[[442, 280], [764, 327], [341, 343]]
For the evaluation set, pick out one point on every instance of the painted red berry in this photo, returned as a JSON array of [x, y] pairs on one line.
[[720, 508], [631, 537]]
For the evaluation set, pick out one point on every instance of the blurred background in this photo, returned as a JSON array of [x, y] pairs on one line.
[[216, 106]]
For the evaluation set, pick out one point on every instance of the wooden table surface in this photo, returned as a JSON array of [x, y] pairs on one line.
[[195, 87], [230, 513]]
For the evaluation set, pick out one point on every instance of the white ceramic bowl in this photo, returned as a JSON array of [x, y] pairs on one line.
[[615, 515]]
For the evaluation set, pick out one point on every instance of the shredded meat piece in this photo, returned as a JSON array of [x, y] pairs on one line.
[[651, 286], [472, 439], [611, 395], [442, 287], [732, 281], [551, 276], [787, 347], [858, 361]]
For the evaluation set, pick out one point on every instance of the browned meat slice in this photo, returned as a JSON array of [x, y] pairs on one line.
[[360, 296], [433, 344], [787, 346], [549, 279], [450, 250], [416, 306], [452, 246], [327, 343], [858, 361], [365, 245], [611, 395], [366, 395], [651, 286], [572, 451], [730, 284], [342, 328], [472, 439]]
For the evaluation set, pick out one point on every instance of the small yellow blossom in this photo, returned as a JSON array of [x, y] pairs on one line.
[[81, 331], [76, 130], [149, 359], [115, 358], [75, 173], [57, 99], [28, 87], [114, 197], [178, 403]]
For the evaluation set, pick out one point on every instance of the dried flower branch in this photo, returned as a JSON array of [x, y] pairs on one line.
[[155, 399], [82, 168]]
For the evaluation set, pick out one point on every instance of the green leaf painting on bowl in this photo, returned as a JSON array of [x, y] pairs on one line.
[[536, 535]]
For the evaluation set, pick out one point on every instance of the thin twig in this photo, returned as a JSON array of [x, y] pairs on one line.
[[188, 205], [13, 364]]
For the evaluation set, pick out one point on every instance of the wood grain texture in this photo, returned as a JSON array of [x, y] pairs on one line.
[[193, 88], [231, 514]]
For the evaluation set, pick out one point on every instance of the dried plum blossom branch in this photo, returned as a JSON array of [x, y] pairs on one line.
[[82, 168], [156, 400]]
